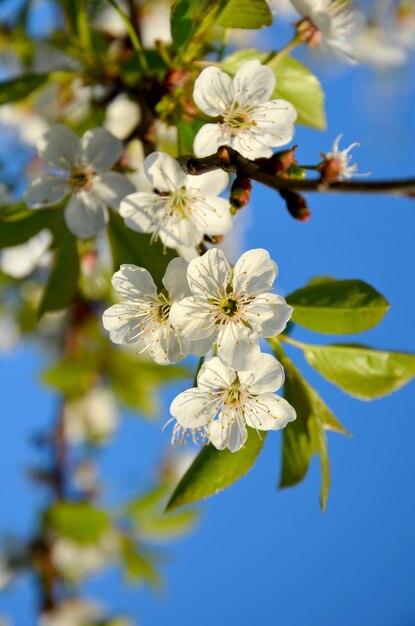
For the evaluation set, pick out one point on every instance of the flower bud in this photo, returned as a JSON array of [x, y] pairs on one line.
[[240, 193], [307, 32], [330, 170], [296, 205]]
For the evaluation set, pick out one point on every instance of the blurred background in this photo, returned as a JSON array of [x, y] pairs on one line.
[[259, 555]]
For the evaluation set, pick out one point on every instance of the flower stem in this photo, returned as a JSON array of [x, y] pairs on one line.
[[276, 55]]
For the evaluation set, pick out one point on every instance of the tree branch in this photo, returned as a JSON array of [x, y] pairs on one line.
[[231, 161]]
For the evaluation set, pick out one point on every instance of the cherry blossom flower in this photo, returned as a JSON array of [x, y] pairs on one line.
[[225, 401], [183, 208], [143, 316], [336, 164], [81, 170], [20, 261], [233, 309], [91, 418], [72, 612], [250, 122], [327, 21]]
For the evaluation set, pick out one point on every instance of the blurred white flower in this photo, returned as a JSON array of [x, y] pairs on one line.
[[6, 573], [74, 612], [339, 161], [20, 261], [9, 333], [75, 561], [182, 208], [24, 121], [83, 167], [122, 116], [250, 123], [92, 418], [378, 47], [331, 22], [226, 401]]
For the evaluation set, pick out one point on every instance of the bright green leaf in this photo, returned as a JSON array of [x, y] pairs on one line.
[[78, 521], [138, 567], [295, 83], [338, 306], [245, 14], [360, 371], [130, 247], [20, 87], [213, 470], [63, 281], [305, 437]]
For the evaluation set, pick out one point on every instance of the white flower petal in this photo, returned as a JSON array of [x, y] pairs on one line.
[[268, 314], [253, 83], [100, 149], [266, 377], [58, 147], [254, 272], [251, 145], [199, 347], [212, 216], [131, 282], [164, 344], [210, 184], [208, 139], [238, 346], [142, 211], [175, 280], [180, 231], [213, 91], [209, 275], [192, 320], [215, 375], [112, 187], [20, 261], [193, 408], [164, 172], [228, 432], [45, 190], [269, 412], [86, 214], [122, 323]]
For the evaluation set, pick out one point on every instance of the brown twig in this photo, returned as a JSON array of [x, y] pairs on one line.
[[229, 160]]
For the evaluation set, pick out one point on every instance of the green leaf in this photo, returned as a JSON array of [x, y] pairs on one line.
[[137, 566], [130, 247], [150, 521], [361, 371], [245, 14], [72, 377], [295, 83], [63, 281], [19, 224], [135, 381], [338, 306], [20, 87], [78, 521], [182, 21], [213, 470], [305, 437]]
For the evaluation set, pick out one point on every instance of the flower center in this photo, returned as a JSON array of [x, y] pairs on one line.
[[235, 396], [229, 305], [80, 178], [179, 203], [162, 309], [237, 119]]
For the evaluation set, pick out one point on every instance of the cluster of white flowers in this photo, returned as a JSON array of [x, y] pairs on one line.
[[208, 305]]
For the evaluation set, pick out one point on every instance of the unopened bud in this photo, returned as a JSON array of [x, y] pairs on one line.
[[296, 205], [224, 154], [282, 161], [240, 193]]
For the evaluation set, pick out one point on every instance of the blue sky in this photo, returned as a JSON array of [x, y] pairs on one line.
[[262, 557]]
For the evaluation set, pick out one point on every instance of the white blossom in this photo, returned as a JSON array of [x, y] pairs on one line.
[[20, 261], [225, 401], [75, 560], [378, 47], [143, 316], [331, 22], [81, 170], [232, 308], [250, 122], [183, 208], [122, 116], [343, 158], [91, 418], [72, 612]]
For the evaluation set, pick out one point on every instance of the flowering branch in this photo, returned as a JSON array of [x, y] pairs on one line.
[[231, 161]]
